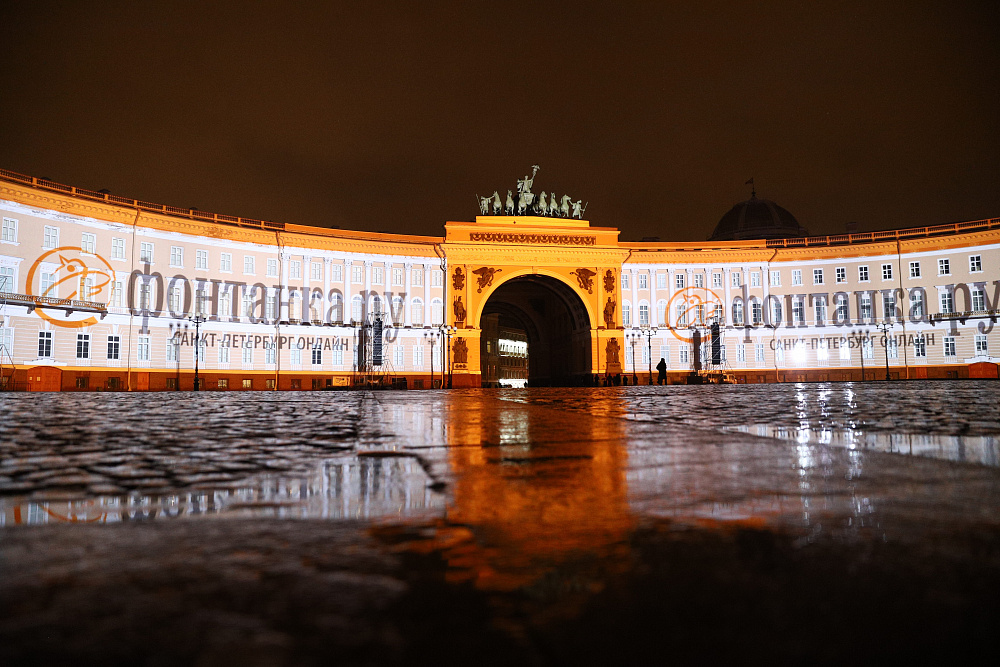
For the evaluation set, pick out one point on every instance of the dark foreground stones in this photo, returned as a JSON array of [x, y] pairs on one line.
[[270, 592]]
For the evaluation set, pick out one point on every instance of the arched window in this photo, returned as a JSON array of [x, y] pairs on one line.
[[397, 311], [626, 313], [437, 312], [643, 314], [417, 313], [356, 308], [738, 313], [294, 306], [376, 304], [337, 307], [661, 313]]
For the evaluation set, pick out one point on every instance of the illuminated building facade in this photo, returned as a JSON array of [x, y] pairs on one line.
[[102, 292]]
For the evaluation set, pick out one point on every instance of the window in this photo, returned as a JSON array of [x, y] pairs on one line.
[[7, 279], [114, 347], [295, 269], [841, 274], [226, 262], [863, 274], [223, 354], [201, 259], [50, 239], [845, 353], [920, 346], [720, 313], [642, 281], [248, 383], [737, 313], [88, 242], [626, 314], [270, 354], [175, 299], [223, 383], [819, 308], [981, 346], [887, 272], [866, 307], [418, 356], [661, 281], [271, 307], [142, 348], [944, 267], [316, 270], [843, 310], [10, 231], [338, 356], [796, 276], [949, 347], [118, 294], [378, 275], [699, 280], [437, 278], [248, 265], [661, 313], [798, 311], [914, 269], [417, 277], [417, 313], [947, 303], [643, 315], [975, 263], [737, 278], [83, 346], [679, 280], [225, 302], [357, 274], [146, 252], [624, 280], [822, 350], [336, 273], [145, 295], [817, 276], [868, 348], [117, 248], [756, 311], [685, 354], [397, 356], [775, 278], [888, 305], [317, 354], [295, 356], [892, 347], [173, 348], [356, 306], [6, 341], [917, 303], [716, 280], [437, 312], [247, 355], [248, 293], [682, 315], [978, 298], [755, 279], [176, 256], [397, 277], [272, 268], [775, 312]]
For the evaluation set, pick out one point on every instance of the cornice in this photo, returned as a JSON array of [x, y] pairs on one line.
[[533, 255]]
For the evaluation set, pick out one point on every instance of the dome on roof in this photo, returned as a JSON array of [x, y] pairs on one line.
[[757, 219]]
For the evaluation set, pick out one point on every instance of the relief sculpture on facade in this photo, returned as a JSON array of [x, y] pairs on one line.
[[609, 281], [460, 353], [585, 277], [459, 310], [459, 280], [485, 278], [609, 314]]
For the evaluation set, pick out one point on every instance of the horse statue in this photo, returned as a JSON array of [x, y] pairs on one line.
[[509, 210], [497, 204], [541, 206], [553, 205], [484, 204], [577, 211], [564, 206]]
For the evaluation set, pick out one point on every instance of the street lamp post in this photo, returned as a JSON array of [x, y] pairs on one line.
[[197, 319], [431, 338], [446, 332], [884, 328], [648, 332], [633, 337]]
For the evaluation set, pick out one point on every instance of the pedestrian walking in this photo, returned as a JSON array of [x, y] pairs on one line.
[[661, 370]]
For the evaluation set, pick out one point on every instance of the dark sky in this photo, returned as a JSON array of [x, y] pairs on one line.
[[884, 113]]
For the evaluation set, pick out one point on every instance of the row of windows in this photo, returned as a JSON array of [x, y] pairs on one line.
[[818, 275]]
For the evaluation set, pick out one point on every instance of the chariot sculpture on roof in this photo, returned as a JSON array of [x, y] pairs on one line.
[[525, 202]]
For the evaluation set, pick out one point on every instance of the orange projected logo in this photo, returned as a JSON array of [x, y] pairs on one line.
[[70, 277], [692, 306]]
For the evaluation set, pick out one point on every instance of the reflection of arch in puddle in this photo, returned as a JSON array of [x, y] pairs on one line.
[[539, 488]]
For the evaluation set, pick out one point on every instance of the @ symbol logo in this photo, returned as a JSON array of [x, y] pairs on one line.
[[74, 275], [690, 304]]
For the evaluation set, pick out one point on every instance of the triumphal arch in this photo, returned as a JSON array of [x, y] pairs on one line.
[[556, 279]]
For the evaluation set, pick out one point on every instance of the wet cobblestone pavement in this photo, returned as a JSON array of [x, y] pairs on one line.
[[789, 523]]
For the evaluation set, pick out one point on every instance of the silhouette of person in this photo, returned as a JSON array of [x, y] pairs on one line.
[[661, 370]]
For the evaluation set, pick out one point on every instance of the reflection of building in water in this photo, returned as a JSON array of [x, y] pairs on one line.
[[360, 488]]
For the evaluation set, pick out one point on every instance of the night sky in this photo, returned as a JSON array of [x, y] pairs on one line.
[[393, 119]]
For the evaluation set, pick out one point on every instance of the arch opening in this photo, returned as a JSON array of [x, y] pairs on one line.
[[551, 319]]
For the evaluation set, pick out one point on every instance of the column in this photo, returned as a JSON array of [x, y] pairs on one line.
[[348, 263], [408, 268]]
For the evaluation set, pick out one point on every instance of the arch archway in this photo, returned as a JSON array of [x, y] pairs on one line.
[[553, 320]]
